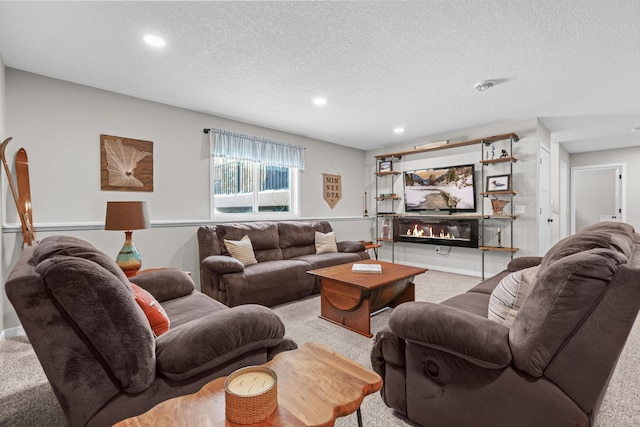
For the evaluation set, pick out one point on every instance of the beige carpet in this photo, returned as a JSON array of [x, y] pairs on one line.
[[26, 398]]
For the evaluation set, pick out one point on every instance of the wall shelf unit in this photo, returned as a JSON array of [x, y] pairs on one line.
[[502, 165], [386, 206], [488, 140], [387, 203], [495, 248], [499, 160], [499, 193]]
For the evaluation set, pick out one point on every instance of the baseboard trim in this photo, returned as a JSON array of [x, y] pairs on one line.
[[463, 272], [18, 331]]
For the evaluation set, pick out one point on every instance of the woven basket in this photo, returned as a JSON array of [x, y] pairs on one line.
[[247, 408]]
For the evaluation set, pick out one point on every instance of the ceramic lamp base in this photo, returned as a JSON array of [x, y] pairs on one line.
[[128, 258]]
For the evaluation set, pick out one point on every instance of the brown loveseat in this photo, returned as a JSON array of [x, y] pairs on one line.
[[449, 365], [97, 347], [285, 251]]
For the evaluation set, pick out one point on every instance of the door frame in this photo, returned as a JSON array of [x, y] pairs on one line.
[[621, 189], [545, 233]]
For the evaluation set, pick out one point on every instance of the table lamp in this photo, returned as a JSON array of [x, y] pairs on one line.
[[127, 216]]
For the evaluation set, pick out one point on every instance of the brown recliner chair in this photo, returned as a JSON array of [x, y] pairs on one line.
[[449, 365], [97, 347]]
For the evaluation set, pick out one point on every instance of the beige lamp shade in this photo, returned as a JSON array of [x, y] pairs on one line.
[[125, 216]]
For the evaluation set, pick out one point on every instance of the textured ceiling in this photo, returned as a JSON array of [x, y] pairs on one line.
[[574, 63]]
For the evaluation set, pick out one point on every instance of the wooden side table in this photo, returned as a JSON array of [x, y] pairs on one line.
[[371, 245], [315, 386]]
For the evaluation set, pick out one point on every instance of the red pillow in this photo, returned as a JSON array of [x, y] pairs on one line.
[[156, 315]]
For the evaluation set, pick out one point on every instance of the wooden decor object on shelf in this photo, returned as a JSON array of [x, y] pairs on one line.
[[498, 206]]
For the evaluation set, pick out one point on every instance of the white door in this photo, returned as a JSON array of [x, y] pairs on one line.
[[596, 195], [544, 202]]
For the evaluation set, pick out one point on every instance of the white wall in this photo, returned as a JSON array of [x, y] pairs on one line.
[[59, 123], [524, 179], [628, 156], [3, 135]]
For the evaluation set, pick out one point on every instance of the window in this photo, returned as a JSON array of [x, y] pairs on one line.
[[249, 178], [234, 182]]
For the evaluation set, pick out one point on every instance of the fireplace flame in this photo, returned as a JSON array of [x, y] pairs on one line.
[[448, 232], [415, 232], [420, 233]]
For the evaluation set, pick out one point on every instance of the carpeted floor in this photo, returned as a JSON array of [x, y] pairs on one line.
[[26, 398]]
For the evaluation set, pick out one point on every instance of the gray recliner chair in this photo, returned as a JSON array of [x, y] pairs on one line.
[[97, 347], [448, 364]]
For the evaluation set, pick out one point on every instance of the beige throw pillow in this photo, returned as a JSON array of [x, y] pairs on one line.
[[507, 298], [242, 250], [326, 243]]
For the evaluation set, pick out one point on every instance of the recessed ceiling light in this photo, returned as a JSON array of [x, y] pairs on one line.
[[484, 85], [154, 41], [398, 130], [635, 129], [320, 101]]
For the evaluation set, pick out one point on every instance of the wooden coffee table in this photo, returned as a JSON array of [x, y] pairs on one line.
[[348, 298], [315, 386]]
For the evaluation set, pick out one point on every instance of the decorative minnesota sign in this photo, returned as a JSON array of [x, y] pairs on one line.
[[332, 188], [125, 164]]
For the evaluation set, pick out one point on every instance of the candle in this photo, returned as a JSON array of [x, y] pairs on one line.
[[250, 383], [251, 395]]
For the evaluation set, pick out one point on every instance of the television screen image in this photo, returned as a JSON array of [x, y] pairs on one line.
[[440, 189]]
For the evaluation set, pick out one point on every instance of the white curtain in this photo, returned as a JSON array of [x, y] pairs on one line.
[[246, 147]]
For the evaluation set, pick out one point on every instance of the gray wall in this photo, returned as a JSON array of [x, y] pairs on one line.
[[3, 135], [59, 124], [628, 156]]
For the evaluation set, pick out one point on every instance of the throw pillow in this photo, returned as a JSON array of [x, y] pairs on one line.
[[157, 317], [242, 250], [507, 298], [326, 243]]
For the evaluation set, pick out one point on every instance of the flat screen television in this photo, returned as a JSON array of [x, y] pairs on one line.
[[450, 189]]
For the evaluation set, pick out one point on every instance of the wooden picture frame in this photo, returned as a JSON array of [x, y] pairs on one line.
[[498, 183], [125, 164], [385, 166]]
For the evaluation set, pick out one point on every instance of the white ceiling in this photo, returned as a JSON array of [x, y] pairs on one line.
[[574, 63]]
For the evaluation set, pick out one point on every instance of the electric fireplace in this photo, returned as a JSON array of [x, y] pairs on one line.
[[437, 231]]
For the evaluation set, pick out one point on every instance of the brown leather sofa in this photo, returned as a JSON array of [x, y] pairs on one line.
[[97, 347], [285, 251], [449, 365]]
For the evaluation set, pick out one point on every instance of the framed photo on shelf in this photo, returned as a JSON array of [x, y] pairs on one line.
[[385, 166], [499, 183]]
